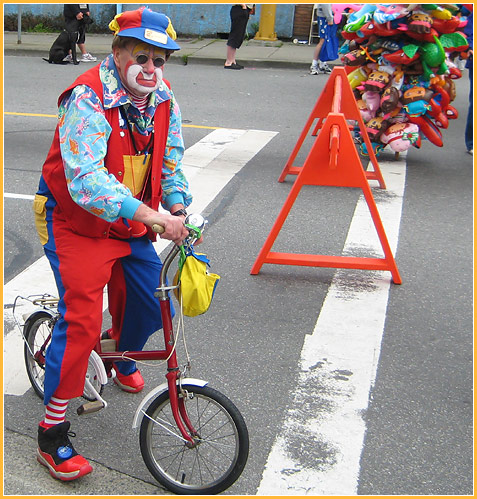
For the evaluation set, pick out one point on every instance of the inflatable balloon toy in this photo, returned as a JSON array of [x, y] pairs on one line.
[[358, 19], [419, 22], [372, 28], [433, 55], [418, 26], [448, 26], [401, 136], [416, 100], [358, 76], [373, 87], [389, 12], [366, 113], [377, 81], [357, 57], [428, 129], [374, 128], [400, 57], [339, 8], [390, 100]]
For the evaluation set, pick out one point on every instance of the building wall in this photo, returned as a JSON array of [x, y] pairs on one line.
[[206, 20]]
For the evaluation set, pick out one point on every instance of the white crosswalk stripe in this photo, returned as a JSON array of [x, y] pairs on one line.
[[338, 366], [209, 165]]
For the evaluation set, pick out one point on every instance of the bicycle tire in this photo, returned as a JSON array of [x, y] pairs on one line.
[[223, 443], [36, 332]]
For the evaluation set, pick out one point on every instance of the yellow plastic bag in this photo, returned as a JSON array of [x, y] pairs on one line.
[[197, 285]]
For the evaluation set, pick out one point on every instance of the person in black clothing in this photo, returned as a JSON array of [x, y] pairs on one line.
[[239, 15], [77, 17]]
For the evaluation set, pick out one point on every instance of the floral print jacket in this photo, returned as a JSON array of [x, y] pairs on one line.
[[84, 133]]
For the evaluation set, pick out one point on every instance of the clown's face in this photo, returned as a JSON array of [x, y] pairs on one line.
[[140, 67]]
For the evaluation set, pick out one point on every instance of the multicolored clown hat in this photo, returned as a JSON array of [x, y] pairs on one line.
[[144, 24]]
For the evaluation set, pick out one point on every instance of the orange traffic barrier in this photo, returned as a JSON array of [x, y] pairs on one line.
[[333, 161], [334, 100]]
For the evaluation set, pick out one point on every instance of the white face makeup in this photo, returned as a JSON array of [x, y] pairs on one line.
[[140, 67]]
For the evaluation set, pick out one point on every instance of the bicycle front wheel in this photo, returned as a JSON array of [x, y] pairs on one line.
[[221, 450]]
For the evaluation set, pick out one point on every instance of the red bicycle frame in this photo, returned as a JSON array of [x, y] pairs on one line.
[[173, 373]]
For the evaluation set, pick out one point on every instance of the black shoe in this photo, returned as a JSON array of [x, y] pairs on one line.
[[234, 66], [56, 452]]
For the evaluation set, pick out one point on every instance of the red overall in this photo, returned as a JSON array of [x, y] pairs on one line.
[[87, 253]]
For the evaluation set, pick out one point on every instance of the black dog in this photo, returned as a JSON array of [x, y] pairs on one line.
[[61, 47]]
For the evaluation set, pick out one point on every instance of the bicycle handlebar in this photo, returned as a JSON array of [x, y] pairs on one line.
[[193, 219]]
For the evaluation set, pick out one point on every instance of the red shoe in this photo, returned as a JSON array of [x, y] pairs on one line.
[[56, 452], [132, 383]]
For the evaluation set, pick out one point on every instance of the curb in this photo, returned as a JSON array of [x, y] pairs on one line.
[[248, 63], [191, 59]]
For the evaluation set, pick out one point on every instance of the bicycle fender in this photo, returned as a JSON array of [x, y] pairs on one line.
[[158, 391], [98, 365], [32, 316]]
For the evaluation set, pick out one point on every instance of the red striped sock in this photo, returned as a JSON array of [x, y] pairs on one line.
[[55, 412]]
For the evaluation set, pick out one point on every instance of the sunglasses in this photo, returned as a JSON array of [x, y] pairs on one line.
[[142, 59]]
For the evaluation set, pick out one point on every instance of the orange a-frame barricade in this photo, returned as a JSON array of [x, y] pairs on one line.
[[332, 161], [321, 110]]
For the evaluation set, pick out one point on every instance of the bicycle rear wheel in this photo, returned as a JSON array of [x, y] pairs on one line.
[[37, 332], [221, 450]]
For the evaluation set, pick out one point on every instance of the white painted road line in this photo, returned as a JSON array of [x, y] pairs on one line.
[[18, 196], [209, 165], [318, 449]]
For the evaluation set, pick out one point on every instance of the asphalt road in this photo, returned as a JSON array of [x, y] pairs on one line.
[[418, 425]]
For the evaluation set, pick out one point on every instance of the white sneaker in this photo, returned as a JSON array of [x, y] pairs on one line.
[[314, 70], [88, 58], [324, 69]]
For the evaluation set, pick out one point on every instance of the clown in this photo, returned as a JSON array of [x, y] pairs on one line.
[[115, 157]]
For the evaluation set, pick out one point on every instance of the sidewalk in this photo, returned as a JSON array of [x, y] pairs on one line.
[[193, 50]]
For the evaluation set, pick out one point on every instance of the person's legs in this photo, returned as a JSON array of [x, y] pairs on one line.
[[134, 308], [82, 48], [230, 55], [318, 66], [239, 18], [469, 127], [85, 55], [81, 267], [316, 56], [316, 53]]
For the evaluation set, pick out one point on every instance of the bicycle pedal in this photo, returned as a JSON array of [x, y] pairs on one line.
[[89, 407], [108, 345]]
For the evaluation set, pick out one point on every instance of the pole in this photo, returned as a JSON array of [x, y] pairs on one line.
[[19, 25], [266, 29]]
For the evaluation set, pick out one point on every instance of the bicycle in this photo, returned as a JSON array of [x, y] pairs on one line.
[[192, 438]]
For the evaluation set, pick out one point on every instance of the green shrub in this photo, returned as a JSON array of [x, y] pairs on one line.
[[51, 24]]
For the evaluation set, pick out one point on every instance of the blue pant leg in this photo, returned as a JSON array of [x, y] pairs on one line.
[[138, 276], [469, 128]]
